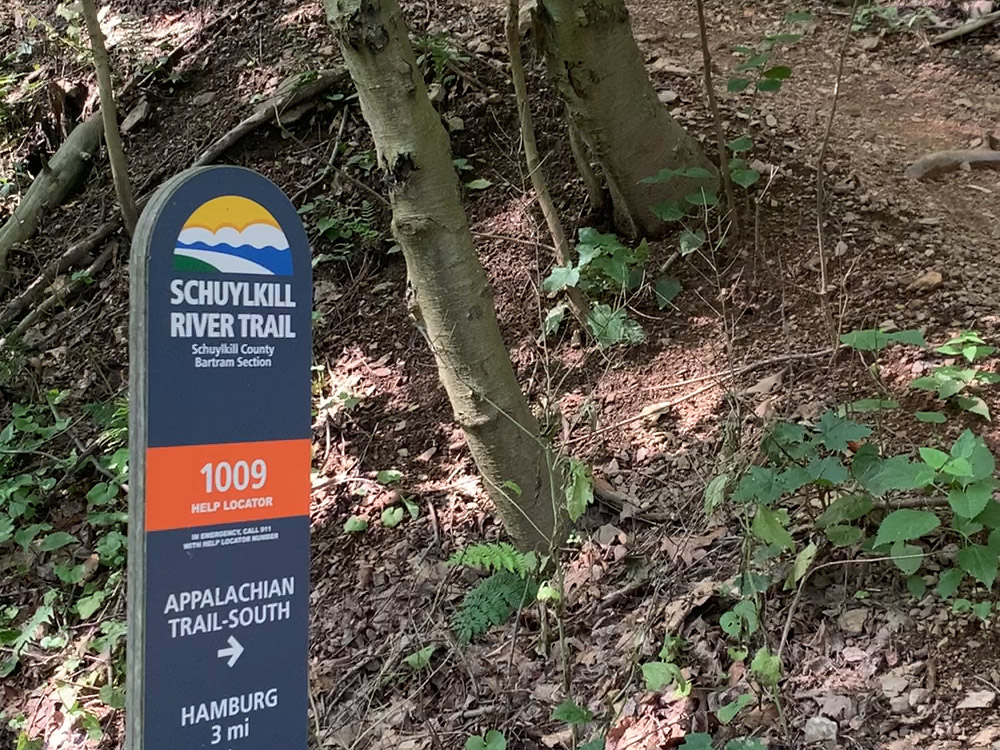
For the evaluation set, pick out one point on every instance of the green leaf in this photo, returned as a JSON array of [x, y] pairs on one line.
[[355, 525], [785, 39], [659, 674], [691, 241], [493, 740], [766, 667], [102, 493], [934, 458], [702, 198], [480, 184], [932, 417], [736, 85], [836, 432], [990, 516], [728, 712], [867, 405], [111, 696], [983, 610], [561, 278], [801, 566], [744, 177], [388, 476], [973, 499], [916, 586], [906, 524], [697, 741], [664, 175], [579, 490], [901, 474], [841, 535], [57, 540], [414, 509], [420, 659], [611, 327], [743, 143], [548, 593], [666, 289], [760, 484], [778, 72], [392, 516], [715, 493], [745, 743], [798, 17], [86, 606], [753, 63], [71, 574], [596, 744], [669, 211], [769, 526], [769, 85], [980, 562], [949, 581], [846, 508], [903, 557], [979, 456], [554, 319], [827, 471], [698, 173], [974, 405], [571, 713]]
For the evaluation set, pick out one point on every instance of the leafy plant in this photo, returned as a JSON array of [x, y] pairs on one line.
[[667, 671], [492, 740], [961, 385], [756, 68], [890, 16], [436, 53], [491, 603]]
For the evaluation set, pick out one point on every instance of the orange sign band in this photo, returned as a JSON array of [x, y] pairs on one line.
[[202, 485]]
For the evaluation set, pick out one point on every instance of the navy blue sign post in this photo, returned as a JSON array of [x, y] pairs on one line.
[[220, 354]]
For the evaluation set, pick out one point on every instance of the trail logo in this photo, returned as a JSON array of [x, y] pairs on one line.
[[232, 234]]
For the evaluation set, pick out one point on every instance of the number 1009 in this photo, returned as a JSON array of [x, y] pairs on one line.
[[225, 476]]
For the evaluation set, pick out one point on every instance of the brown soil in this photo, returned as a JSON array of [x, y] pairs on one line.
[[650, 568]]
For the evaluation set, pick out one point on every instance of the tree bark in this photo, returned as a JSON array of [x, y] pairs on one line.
[[597, 68], [451, 301], [109, 111]]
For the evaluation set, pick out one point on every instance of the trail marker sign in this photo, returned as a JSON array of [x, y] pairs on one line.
[[220, 354]]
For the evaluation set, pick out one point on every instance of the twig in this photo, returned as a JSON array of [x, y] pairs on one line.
[[577, 301], [720, 135], [745, 369], [329, 165], [966, 28], [820, 169]]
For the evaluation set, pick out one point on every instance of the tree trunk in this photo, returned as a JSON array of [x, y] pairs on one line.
[[451, 301], [598, 70], [109, 110]]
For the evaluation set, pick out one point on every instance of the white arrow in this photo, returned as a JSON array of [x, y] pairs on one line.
[[233, 652]]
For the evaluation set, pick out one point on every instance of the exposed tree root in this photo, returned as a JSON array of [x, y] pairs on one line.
[[942, 162], [966, 28], [69, 164]]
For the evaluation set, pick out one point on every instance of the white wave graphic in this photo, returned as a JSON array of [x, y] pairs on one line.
[[224, 262], [255, 235]]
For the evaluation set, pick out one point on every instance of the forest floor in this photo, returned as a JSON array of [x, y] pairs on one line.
[[881, 667]]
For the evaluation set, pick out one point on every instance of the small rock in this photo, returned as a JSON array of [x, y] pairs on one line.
[[820, 729], [894, 684], [667, 97], [836, 706], [139, 113], [926, 283], [977, 699], [435, 92], [771, 121], [853, 620], [900, 705], [666, 65], [918, 697], [202, 99], [869, 43], [455, 124], [483, 48], [327, 50]]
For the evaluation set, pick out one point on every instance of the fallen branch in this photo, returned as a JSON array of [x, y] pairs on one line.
[[745, 369], [53, 184], [966, 28], [268, 111], [295, 91], [59, 296], [942, 162]]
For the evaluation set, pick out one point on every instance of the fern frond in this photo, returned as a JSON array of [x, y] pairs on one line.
[[494, 557], [491, 603]]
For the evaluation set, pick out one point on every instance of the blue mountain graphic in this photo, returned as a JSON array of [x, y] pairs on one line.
[[278, 262]]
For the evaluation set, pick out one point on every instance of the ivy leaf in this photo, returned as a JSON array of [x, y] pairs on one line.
[[702, 198], [668, 211], [666, 288], [554, 319], [492, 740], [86, 606], [744, 177], [980, 562], [728, 712], [841, 535], [760, 484], [973, 499], [770, 527], [579, 491], [388, 476], [903, 557], [612, 327], [420, 659], [571, 713], [560, 278], [949, 581], [906, 524], [392, 517], [56, 540], [766, 667], [743, 143], [836, 432], [827, 471], [659, 674], [691, 241], [355, 525]]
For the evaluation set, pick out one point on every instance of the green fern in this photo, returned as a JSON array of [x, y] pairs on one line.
[[491, 603], [496, 557]]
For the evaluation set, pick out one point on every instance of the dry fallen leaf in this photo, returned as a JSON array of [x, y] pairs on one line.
[[926, 283], [766, 385], [977, 699]]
